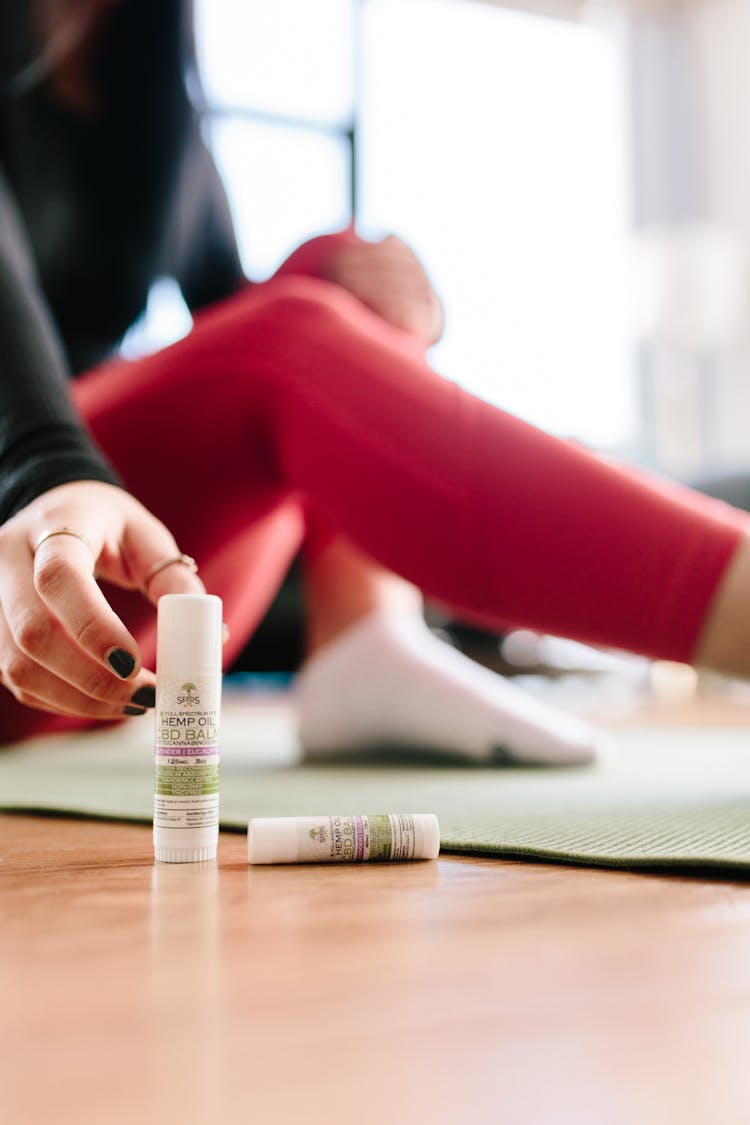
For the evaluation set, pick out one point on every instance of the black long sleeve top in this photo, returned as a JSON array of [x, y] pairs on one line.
[[92, 209]]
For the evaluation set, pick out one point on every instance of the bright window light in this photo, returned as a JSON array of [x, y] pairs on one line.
[[284, 186], [290, 57], [165, 320], [493, 142]]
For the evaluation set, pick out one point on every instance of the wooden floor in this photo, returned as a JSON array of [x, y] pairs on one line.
[[462, 990]]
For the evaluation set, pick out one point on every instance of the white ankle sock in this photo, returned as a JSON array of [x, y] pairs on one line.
[[389, 681]]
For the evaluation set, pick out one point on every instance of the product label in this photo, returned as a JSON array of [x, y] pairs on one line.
[[186, 767], [356, 839]]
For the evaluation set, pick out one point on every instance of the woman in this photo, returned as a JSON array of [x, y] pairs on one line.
[[297, 411]]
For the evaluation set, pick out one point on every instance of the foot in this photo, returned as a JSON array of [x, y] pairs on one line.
[[389, 681]]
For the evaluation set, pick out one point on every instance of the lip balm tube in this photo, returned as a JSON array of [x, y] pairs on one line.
[[188, 703], [343, 839]]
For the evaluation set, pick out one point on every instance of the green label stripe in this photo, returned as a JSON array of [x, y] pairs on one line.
[[182, 781], [381, 837]]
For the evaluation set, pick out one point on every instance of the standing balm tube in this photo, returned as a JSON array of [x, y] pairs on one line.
[[188, 702]]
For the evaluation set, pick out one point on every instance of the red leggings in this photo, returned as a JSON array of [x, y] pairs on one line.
[[291, 400]]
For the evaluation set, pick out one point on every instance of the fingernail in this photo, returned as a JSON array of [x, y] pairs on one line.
[[224, 633], [134, 710], [145, 696], [120, 662]]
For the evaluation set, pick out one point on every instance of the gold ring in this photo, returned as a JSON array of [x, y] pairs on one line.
[[182, 560], [62, 531]]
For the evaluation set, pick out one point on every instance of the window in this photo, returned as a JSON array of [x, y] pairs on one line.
[[278, 79], [492, 140]]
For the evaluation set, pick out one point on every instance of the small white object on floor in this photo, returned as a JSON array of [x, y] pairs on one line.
[[389, 681]]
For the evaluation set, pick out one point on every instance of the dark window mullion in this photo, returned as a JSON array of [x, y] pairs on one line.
[[282, 120]]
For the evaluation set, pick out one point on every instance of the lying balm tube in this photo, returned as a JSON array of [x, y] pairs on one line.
[[342, 839], [188, 701]]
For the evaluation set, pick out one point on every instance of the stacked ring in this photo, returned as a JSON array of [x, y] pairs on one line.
[[181, 560]]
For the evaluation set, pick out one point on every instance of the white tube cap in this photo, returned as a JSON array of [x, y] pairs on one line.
[[273, 839], [427, 829], [188, 634]]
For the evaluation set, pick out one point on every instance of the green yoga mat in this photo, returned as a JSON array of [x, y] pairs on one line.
[[668, 798]]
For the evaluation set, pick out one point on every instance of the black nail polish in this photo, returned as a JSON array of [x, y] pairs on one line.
[[134, 710], [145, 696], [121, 662]]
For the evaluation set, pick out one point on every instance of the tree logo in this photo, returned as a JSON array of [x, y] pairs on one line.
[[318, 834], [188, 696]]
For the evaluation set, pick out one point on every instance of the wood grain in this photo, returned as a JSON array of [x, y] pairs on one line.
[[454, 991]]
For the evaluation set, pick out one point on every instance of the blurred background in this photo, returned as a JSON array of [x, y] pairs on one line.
[[575, 175]]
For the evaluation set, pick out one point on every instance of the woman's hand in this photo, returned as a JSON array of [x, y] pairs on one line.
[[62, 648], [388, 277]]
